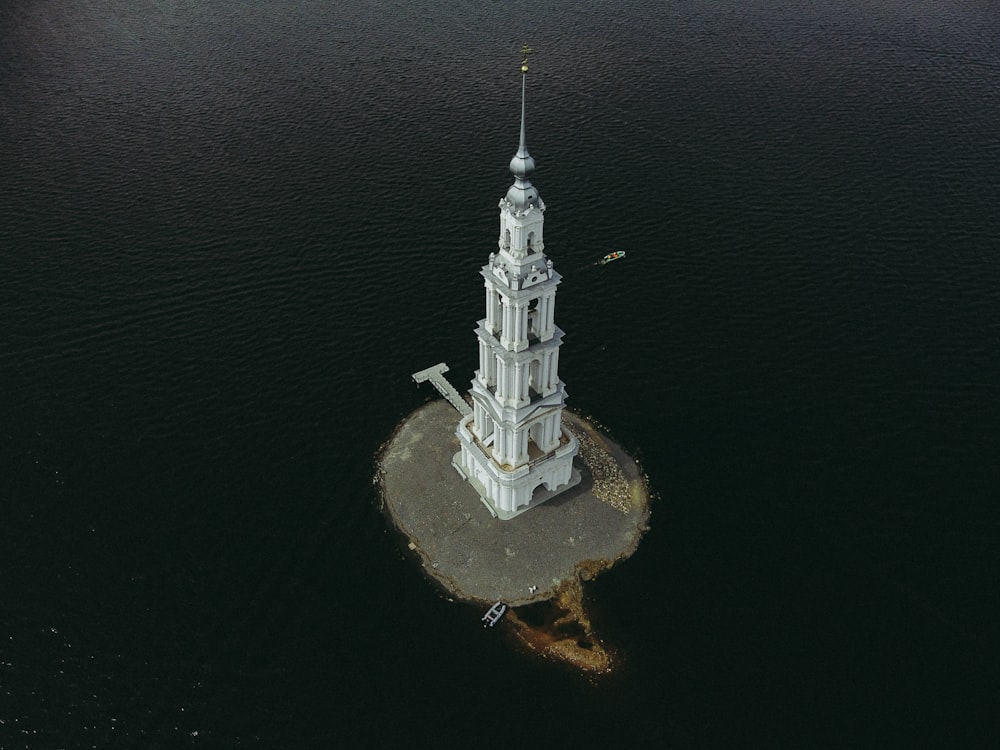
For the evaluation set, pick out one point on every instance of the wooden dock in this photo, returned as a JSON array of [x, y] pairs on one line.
[[435, 374]]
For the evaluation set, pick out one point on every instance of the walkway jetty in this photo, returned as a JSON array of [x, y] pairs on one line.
[[435, 374]]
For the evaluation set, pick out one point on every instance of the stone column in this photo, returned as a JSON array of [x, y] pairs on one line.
[[509, 331], [501, 385], [504, 500], [491, 367], [512, 332], [499, 445], [490, 314], [477, 419]]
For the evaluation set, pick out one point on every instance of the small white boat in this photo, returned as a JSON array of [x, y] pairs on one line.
[[492, 617], [616, 255]]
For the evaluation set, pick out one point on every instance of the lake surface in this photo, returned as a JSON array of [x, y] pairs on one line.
[[230, 231]]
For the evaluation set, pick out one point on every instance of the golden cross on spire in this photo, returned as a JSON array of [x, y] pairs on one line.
[[525, 51]]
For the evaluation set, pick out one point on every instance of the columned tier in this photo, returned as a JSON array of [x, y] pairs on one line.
[[501, 409], [519, 316], [537, 423], [513, 375]]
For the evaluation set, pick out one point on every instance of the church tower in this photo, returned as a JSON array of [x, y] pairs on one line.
[[514, 449]]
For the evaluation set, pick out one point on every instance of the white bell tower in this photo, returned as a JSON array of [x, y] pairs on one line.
[[514, 449]]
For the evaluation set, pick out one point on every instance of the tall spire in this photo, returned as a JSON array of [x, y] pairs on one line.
[[522, 194], [515, 451]]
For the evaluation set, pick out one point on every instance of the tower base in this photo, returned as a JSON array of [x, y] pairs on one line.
[[538, 496], [508, 493]]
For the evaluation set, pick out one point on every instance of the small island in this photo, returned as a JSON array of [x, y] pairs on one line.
[[541, 556], [515, 499]]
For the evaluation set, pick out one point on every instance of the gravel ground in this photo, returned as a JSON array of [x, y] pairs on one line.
[[479, 558]]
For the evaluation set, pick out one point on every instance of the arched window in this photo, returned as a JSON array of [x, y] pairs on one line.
[[534, 376], [533, 321]]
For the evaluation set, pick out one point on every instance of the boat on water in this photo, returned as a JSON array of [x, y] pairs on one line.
[[616, 255], [492, 617]]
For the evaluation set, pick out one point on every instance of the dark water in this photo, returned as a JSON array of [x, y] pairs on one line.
[[229, 232]]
